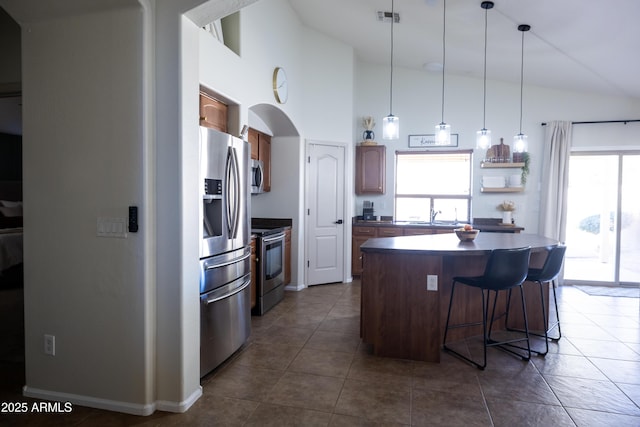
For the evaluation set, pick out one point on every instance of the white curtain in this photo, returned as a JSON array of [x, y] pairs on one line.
[[555, 180]]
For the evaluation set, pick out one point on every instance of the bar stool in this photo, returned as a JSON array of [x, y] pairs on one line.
[[505, 270], [548, 273]]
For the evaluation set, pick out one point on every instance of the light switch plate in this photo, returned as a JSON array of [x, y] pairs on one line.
[[432, 282], [112, 227]]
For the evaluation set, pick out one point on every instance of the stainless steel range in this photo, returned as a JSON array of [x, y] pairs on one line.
[[270, 272], [225, 251]]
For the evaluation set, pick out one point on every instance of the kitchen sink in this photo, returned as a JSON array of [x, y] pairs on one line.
[[435, 223], [447, 223]]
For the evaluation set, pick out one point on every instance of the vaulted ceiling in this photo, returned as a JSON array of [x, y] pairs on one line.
[[582, 45]]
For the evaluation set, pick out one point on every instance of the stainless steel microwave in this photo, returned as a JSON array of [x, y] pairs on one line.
[[257, 176]]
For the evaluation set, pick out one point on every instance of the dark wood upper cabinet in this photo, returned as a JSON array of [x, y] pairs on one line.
[[370, 169], [213, 113]]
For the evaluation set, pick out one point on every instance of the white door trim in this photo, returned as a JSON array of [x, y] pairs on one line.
[[347, 205]]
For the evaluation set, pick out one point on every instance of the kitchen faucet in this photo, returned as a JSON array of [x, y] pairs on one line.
[[433, 215]]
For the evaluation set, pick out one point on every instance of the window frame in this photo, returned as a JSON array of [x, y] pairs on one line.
[[434, 197]]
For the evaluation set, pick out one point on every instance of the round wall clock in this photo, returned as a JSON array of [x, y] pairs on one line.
[[280, 85]]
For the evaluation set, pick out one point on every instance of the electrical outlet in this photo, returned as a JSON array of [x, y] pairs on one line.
[[432, 282], [50, 344]]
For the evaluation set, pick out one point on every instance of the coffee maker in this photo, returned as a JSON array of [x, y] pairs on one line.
[[367, 211]]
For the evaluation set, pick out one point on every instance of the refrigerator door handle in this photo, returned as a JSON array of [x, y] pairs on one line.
[[227, 189], [237, 193], [233, 196]]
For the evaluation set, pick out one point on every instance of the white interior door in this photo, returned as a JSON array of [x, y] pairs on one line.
[[325, 210]]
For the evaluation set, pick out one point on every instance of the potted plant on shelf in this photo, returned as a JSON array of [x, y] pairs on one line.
[[525, 168], [507, 207]]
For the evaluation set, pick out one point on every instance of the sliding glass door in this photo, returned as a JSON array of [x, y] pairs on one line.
[[603, 218], [630, 220]]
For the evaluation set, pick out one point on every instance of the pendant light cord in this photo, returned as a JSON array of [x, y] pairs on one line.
[[523, 29], [393, 18], [484, 107], [521, 78], [444, 31]]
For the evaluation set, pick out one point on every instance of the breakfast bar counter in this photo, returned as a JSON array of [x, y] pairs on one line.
[[402, 317]]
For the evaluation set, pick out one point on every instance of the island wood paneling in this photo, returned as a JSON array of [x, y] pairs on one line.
[[399, 316]]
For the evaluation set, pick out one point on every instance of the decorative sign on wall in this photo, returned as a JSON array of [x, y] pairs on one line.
[[429, 141]]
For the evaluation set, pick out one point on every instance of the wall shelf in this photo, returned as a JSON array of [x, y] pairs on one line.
[[501, 189], [489, 165]]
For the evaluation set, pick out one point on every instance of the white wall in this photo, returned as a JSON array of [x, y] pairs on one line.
[[177, 371], [417, 102], [320, 104], [83, 148], [601, 136], [328, 78], [270, 37]]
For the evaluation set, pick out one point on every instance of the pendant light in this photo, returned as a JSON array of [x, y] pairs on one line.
[[391, 123], [483, 136], [520, 140], [443, 130]]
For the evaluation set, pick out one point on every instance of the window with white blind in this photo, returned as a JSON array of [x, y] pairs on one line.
[[433, 183]]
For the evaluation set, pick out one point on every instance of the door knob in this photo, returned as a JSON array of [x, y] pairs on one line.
[[338, 222]]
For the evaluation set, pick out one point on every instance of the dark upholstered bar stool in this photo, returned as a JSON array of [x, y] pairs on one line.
[[505, 270], [548, 273]]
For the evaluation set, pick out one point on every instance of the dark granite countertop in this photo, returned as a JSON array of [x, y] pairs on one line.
[[482, 224], [449, 244], [271, 223]]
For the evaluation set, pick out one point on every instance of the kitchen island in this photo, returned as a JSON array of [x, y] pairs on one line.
[[402, 317]]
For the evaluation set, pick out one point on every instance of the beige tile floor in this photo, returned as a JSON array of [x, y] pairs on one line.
[[304, 365]]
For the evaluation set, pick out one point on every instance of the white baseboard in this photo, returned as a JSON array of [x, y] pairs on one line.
[[179, 407], [114, 405], [91, 402], [294, 287]]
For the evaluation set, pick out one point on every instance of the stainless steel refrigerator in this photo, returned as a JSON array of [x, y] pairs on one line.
[[225, 252]]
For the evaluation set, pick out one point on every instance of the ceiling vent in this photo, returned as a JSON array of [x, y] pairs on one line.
[[386, 17]]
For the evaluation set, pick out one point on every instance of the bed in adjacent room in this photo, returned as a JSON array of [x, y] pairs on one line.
[[11, 247]]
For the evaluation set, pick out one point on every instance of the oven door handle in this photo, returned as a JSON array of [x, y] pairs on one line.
[[270, 239], [231, 293], [224, 264]]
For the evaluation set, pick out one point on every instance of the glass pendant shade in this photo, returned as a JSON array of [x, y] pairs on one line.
[[483, 139], [443, 134], [391, 127], [520, 143]]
